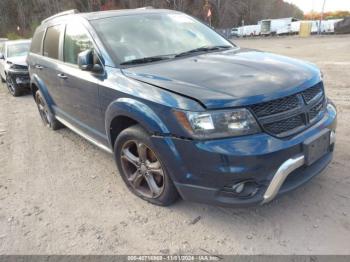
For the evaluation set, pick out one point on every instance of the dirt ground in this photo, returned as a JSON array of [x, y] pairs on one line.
[[61, 195]]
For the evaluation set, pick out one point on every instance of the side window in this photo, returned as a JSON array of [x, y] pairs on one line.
[[76, 40], [52, 41], [36, 42]]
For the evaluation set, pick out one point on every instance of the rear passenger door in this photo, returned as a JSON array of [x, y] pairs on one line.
[[48, 66], [35, 52], [80, 88]]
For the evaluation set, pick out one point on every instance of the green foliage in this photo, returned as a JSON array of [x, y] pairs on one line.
[[13, 36], [33, 26]]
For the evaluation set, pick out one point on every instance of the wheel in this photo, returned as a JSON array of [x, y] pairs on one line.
[[12, 87], [142, 169], [48, 119]]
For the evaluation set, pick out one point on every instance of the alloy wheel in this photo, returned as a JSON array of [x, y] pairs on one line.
[[43, 111], [143, 170]]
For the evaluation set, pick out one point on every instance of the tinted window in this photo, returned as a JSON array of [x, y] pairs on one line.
[[52, 41], [76, 40], [36, 42]]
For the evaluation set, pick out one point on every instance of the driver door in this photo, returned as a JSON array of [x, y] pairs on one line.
[[80, 88]]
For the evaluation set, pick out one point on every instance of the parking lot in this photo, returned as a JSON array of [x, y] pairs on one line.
[[61, 195]]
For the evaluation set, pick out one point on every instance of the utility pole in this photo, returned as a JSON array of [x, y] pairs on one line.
[[321, 18]]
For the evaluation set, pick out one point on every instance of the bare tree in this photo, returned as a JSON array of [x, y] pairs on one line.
[[225, 13]]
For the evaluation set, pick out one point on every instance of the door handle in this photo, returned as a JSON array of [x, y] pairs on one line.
[[39, 67], [63, 76]]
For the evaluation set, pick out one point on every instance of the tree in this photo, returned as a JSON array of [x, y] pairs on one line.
[[27, 14]]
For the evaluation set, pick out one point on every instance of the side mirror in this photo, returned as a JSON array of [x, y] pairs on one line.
[[87, 62], [2, 57]]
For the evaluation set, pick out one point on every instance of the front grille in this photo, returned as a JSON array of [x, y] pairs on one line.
[[276, 106], [292, 114], [312, 93], [285, 125], [316, 110]]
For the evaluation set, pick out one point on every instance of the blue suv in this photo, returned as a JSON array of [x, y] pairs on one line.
[[185, 112]]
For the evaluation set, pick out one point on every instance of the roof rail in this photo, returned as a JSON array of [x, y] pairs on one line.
[[69, 12], [146, 7]]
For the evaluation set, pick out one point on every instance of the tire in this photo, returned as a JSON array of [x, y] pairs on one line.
[[46, 116], [140, 176], [12, 87]]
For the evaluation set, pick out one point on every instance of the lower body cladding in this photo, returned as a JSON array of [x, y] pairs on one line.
[[247, 170]]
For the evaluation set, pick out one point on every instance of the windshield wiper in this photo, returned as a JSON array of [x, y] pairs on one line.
[[204, 49], [145, 60]]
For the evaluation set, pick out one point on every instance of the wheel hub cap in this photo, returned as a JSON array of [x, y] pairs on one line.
[[143, 169]]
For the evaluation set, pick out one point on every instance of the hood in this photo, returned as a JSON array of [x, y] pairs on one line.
[[18, 60], [230, 78]]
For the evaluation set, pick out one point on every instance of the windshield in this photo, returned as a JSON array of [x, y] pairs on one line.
[[150, 35], [20, 49]]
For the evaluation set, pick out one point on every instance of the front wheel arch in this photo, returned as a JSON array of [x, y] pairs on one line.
[[126, 112], [118, 124]]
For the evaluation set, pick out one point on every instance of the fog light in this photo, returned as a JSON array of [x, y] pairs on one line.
[[238, 188], [245, 188], [332, 138]]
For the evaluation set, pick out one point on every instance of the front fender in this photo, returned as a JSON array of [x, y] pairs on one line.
[[137, 111], [35, 80]]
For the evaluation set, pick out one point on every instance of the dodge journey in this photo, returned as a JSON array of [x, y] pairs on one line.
[[185, 112]]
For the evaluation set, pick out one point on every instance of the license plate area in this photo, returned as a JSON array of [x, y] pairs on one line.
[[316, 147]]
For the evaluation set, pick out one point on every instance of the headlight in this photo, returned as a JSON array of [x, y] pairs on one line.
[[321, 75], [215, 124], [331, 107]]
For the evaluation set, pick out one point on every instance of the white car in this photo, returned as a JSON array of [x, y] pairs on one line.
[[13, 65]]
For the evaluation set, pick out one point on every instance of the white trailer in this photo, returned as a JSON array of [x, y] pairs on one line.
[[283, 26], [295, 27], [274, 26], [285, 30], [327, 26], [247, 30]]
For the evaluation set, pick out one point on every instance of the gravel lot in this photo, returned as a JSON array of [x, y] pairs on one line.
[[61, 195]]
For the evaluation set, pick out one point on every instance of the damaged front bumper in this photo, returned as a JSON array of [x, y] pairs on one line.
[[19, 76]]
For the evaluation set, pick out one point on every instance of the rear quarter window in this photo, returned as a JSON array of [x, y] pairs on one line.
[[52, 41], [37, 42]]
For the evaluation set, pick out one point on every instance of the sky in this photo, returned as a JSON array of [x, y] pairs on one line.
[[316, 5]]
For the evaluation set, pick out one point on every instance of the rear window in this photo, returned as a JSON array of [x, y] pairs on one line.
[[36, 42], [52, 41]]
